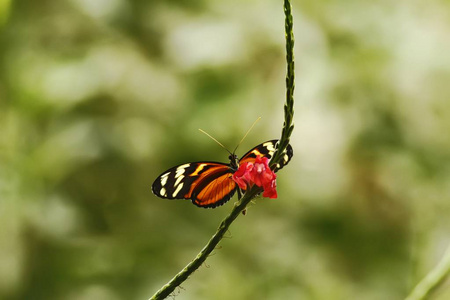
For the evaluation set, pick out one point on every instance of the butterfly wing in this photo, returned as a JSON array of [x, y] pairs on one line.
[[267, 149], [207, 184]]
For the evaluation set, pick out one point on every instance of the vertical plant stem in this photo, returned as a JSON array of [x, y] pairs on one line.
[[288, 125], [433, 279], [239, 206]]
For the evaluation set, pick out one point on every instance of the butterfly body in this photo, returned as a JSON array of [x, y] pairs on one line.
[[209, 184]]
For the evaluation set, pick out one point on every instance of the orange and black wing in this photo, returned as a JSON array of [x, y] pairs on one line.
[[207, 184], [267, 149]]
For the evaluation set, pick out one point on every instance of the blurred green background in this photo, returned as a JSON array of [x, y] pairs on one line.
[[99, 97]]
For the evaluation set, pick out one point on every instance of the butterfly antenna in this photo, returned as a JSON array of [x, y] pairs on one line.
[[251, 127], [201, 130]]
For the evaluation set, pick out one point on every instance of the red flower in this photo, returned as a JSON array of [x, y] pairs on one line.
[[241, 175], [258, 173], [270, 190]]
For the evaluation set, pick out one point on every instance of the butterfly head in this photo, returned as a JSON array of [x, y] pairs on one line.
[[234, 161]]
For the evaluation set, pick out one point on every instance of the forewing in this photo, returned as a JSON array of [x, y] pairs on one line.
[[205, 183], [267, 149]]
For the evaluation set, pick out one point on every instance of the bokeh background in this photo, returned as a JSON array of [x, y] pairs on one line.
[[98, 97]]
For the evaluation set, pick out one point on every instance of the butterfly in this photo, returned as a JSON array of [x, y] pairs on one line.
[[210, 184]]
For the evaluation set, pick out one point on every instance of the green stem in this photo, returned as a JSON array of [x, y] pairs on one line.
[[433, 279], [288, 125], [239, 206]]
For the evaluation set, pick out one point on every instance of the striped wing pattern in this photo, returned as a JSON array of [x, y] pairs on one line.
[[209, 184]]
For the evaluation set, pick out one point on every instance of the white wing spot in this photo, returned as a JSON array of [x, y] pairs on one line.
[[164, 179], [178, 180], [180, 170], [162, 192], [178, 189], [269, 146], [286, 158]]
